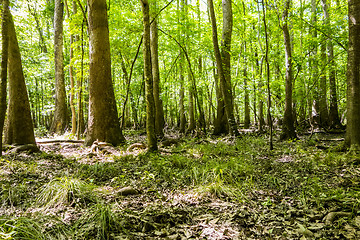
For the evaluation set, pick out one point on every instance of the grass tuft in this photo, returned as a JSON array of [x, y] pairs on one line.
[[65, 191]]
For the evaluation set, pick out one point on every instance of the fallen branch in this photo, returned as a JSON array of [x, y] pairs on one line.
[[59, 141]]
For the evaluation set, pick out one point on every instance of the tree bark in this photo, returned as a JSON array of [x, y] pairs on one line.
[[192, 125], [221, 125], [246, 93], [19, 125], [270, 122], [80, 126], [4, 65], [181, 70], [103, 123], [334, 119], [71, 74], [159, 112], [223, 64], [150, 103], [353, 76], [288, 129], [323, 109], [59, 123]]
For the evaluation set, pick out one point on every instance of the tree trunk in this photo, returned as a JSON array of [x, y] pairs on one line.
[[288, 129], [80, 118], [59, 123], [246, 97], [5, 16], [223, 64], [181, 70], [192, 125], [334, 119], [150, 103], [159, 112], [19, 125], [221, 125], [353, 76], [323, 109], [314, 103], [264, 9], [71, 74], [103, 123]]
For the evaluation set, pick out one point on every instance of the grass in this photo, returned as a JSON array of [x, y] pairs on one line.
[[100, 222], [65, 191], [295, 183], [34, 229]]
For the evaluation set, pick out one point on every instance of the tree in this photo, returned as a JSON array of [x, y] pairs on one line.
[[60, 121], [334, 119], [72, 71], [150, 103], [19, 126], [159, 112], [223, 60], [103, 123], [181, 21], [353, 76], [4, 65], [288, 129]]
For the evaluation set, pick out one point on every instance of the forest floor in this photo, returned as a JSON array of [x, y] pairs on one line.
[[193, 188]]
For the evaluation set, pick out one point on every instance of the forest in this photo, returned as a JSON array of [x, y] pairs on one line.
[[180, 119]]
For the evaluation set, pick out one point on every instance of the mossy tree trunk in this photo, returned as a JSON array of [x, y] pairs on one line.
[[19, 125], [150, 103], [103, 123], [353, 75], [60, 121]]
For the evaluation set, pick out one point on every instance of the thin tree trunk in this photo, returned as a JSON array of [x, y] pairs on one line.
[[150, 103], [246, 93], [314, 104], [60, 122], [270, 122], [159, 112], [80, 118], [71, 72], [334, 119], [323, 109], [288, 129], [181, 70], [42, 42], [223, 65], [221, 125]]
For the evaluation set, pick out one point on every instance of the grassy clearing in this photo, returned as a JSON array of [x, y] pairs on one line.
[[201, 188]]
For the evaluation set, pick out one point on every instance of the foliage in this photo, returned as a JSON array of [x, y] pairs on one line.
[[65, 191]]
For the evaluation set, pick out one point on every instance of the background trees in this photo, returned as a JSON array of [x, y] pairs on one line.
[[186, 57]]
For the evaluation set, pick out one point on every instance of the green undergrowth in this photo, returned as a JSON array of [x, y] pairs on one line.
[[298, 182]]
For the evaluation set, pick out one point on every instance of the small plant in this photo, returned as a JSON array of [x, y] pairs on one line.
[[46, 228], [13, 195], [99, 223], [65, 191]]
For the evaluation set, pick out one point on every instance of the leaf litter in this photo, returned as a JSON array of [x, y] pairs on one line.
[[297, 191]]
